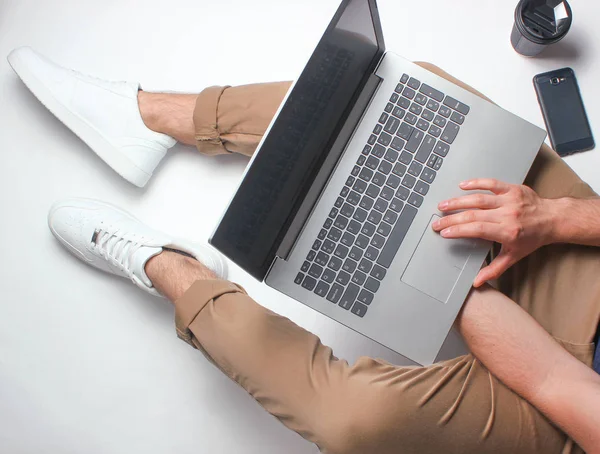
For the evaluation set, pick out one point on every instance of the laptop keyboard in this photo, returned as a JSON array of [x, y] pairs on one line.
[[382, 195]]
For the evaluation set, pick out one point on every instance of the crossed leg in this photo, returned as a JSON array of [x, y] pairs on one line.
[[372, 406]]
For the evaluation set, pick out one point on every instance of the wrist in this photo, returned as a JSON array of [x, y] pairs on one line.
[[560, 227]]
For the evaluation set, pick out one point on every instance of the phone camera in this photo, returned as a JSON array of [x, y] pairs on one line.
[[555, 81]]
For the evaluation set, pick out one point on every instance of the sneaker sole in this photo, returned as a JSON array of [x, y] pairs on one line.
[[89, 135]]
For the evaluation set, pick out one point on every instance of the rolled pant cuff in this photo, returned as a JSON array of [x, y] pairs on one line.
[[208, 136], [194, 300]]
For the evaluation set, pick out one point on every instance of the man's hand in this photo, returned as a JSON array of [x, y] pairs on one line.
[[514, 216]]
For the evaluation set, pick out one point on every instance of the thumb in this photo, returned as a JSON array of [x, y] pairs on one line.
[[495, 269]]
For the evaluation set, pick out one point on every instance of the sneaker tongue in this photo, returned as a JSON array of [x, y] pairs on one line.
[[140, 258]]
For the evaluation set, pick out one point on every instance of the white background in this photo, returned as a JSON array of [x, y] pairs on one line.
[[87, 362]]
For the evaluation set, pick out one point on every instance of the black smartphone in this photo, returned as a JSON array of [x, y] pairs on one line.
[[564, 114]]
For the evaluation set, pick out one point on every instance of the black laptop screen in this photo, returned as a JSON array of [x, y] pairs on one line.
[[281, 174]]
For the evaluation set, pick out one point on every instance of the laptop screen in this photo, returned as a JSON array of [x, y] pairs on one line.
[[281, 173]]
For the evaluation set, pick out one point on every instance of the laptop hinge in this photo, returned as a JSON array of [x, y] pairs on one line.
[[322, 178]]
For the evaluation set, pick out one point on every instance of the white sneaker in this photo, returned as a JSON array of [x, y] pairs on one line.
[[105, 115], [114, 241]]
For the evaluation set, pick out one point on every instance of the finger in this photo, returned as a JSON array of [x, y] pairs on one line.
[[494, 270], [470, 202], [482, 230], [486, 184], [465, 217]]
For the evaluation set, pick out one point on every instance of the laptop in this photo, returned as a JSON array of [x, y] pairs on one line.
[[336, 206]]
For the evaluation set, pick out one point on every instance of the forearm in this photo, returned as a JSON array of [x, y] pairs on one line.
[[576, 221], [519, 352]]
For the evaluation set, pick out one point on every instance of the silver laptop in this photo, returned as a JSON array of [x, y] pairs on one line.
[[336, 206]]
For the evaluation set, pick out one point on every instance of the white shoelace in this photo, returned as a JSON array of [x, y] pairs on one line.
[[117, 249]]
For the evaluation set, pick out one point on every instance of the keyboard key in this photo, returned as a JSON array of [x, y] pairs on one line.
[[438, 164], [435, 131], [328, 247], [342, 278], [350, 181], [432, 92], [414, 141], [408, 181], [315, 271], [405, 158], [378, 150], [457, 118], [362, 241], [378, 272], [328, 223], [353, 199], [433, 160], [404, 78], [441, 149], [379, 179], [334, 234], [372, 191], [322, 258], [309, 283], [344, 192], [365, 297], [378, 128], [408, 93], [422, 124], [415, 109], [397, 236], [355, 253], [428, 175], [381, 205], [328, 275], [377, 241], [420, 99], [392, 125], [341, 222], [366, 174], [390, 216], [347, 209], [372, 163], [322, 234], [359, 309], [354, 227], [402, 193], [360, 215], [410, 118], [413, 83], [339, 202], [335, 293], [347, 239], [372, 140], [372, 285], [393, 181], [415, 199], [374, 217], [397, 144], [366, 203], [425, 149], [387, 193], [385, 139], [398, 113], [361, 160], [428, 115], [383, 118], [365, 266], [368, 229], [371, 253], [432, 105], [450, 132], [367, 149], [311, 256], [360, 186], [456, 105], [349, 296], [305, 267], [388, 108], [396, 204], [384, 229], [341, 251], [445, 111], [335, 263], [399, 88], [405, 131], [385, 167], [421, 188], [299, 278], [394, 97], [439, 121], [359, 278], [333, 213], [404, 102], [414, 169], [392, 155], [322, 289], [349, 266]]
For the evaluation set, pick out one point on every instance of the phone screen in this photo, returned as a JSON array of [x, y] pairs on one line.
[[564, 112]]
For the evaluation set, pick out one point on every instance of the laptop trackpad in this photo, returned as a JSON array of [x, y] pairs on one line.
[[437, 264]]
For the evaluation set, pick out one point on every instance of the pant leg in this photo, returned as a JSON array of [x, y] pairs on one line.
[[371, 407]]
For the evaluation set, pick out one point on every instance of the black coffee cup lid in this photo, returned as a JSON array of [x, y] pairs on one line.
[[544, 21]]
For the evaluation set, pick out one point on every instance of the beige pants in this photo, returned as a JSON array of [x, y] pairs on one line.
[[374, 407]]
